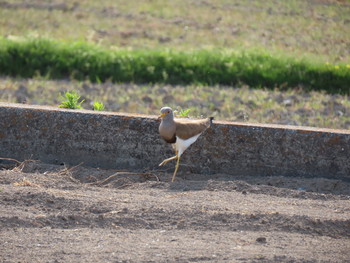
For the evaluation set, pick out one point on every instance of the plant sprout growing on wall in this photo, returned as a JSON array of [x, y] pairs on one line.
[[71, 100]]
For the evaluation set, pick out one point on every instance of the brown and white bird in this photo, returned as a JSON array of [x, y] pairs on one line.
[[181, 133]]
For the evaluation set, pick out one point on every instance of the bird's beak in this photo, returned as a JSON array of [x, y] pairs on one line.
[[161, 115]]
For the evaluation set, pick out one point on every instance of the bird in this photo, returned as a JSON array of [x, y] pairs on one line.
[[181, 133]]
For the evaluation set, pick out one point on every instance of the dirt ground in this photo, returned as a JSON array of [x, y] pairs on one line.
[[54, 213]]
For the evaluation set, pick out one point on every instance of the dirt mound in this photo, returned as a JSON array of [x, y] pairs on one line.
[[78, 214]]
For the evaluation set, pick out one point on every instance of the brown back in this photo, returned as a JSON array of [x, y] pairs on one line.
[[186, 128]]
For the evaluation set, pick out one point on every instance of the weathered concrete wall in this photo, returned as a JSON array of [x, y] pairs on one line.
[[125, 141]]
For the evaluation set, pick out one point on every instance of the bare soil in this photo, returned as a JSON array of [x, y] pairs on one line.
[[54, 213]]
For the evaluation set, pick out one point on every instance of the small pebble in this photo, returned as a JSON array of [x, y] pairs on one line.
[[261, 239]]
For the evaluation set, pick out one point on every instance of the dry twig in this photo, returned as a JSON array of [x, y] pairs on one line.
[[10, 159], [147, 175], [9, 166], [21, 165], [68, 172]]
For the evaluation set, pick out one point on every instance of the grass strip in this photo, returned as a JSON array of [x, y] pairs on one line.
[[79, 60]]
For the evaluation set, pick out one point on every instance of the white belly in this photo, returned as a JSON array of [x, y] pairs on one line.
[[181, 145]]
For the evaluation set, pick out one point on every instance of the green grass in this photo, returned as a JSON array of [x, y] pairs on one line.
[[82, 61], [71, 100], [183, 113], [98, 106]]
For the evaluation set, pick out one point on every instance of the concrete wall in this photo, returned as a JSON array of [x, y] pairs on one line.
[[125, 141]]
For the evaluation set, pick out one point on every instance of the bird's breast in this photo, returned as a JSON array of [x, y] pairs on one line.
[[167, 132]]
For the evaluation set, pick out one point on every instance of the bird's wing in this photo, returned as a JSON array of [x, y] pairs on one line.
[[186, 129]]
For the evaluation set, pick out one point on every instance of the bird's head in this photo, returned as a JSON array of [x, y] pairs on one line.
[[166, 112]]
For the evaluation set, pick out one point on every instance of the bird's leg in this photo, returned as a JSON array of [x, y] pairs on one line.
[[168, 160], [176, 167]]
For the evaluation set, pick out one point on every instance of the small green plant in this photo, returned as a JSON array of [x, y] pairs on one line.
[[98, 106], [71, 100], [183, 113]]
